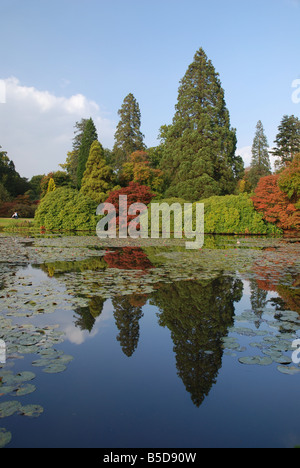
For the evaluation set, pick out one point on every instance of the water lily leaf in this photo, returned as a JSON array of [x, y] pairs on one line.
[[283, 360], [256, 360], [32, 411], [25, 390], [251, 360], [8, 408], [5, 437], [55, 368], [6, 389], [288, 370]]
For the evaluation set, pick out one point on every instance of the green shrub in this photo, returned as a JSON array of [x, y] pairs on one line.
[[234, 214], [66, 209]]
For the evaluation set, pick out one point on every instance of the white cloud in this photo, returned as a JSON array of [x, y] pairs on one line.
[[37, 127], [246, 154]]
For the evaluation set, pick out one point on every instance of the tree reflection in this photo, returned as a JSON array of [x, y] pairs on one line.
[[198, 314], [127, 313], [128, 258], [280, 276], [258, 300], [86, 316]]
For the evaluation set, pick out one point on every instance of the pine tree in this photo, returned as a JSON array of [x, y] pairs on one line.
[[88, 137], [71, 164], [128, 136], [199, 146], [287, 141], [260, 163], [98, 177]]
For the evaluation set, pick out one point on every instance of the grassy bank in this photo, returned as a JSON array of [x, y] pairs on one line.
[[15, 224]]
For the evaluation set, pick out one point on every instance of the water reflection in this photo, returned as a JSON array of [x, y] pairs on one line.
[[197, 312], [127, 316], [198, 315], [86, 316]]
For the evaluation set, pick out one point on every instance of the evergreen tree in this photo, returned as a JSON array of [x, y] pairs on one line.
[[260, 164], [98, 177], [199, 146], [88, 137], [71, 164], [128, 136], [51, 186], [287, 141]]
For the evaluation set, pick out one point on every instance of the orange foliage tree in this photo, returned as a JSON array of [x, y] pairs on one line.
[[275, 204], [138, 169]]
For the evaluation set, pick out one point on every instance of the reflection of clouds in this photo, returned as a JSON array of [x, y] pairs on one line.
[[77, 336]]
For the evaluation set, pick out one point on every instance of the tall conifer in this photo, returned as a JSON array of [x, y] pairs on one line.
[[89, 135], [128, 136], [199, 146], [98, 177], [260, 163], [287, 140]]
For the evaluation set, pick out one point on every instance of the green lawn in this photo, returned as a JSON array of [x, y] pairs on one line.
[[8, 222]]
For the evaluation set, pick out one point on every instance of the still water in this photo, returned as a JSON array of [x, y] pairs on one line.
[[151, 346]]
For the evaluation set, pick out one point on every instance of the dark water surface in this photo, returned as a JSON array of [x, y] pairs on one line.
[[146, 347]]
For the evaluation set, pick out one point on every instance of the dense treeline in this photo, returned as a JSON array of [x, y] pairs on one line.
[[195, 160]]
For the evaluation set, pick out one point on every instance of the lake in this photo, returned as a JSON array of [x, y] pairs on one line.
[[149, 346]]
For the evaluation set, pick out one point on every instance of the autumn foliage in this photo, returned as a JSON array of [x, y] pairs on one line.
[[275, 205], [135, 194], [128, 258], [138, 169]]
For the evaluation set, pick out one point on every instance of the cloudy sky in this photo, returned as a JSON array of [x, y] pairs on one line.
[[65, 60]]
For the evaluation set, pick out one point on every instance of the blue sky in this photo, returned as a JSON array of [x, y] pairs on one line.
[[68, 59]]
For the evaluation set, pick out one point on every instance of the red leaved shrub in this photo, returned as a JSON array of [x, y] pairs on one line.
[[275, 205]]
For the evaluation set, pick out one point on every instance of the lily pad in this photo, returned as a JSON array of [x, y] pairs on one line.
[[8, 408], [5, 437], [256, 360], [25, 390], [32, 411], [288, 370], [55, 368]]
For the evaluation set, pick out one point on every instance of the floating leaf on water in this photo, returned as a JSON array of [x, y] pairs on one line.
[[256, 360], [288, 370], [6, 389], [55, 368], [5, 437], [251, 360], [282, 360], [8, 408], [25, 376], [32, 411], [25, 390]]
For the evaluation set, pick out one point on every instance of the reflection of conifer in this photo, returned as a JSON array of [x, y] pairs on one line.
[[258, 299], [88, 315], [198, 315], [127, 319]]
